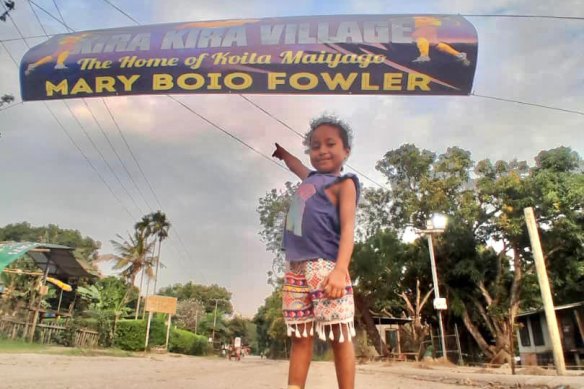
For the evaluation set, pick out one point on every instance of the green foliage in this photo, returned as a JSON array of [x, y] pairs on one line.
[[188, 314], [272, 211], [238, 327], [185, 342], [131, 334], [182, 342], [271, 330], [85, 247], [206, 295], [67, 337], [201, 346]]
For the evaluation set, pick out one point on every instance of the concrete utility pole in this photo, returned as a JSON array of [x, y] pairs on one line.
[[546, 295], [437, 296]]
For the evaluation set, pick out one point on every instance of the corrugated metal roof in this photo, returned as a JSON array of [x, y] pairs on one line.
[[558, 308], [59, 259]]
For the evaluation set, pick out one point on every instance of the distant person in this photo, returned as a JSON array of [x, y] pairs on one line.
[[318, 239]]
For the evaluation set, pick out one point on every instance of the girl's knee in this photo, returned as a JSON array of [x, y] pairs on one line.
[[302, 341]]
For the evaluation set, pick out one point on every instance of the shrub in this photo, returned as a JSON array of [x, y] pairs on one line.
[[202, 346], [131, 334], [181, 341], [185, 342]]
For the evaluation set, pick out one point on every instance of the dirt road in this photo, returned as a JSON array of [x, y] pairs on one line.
[[19, 371]]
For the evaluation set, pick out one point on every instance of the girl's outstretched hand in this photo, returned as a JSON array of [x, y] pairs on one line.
[[279, 152]]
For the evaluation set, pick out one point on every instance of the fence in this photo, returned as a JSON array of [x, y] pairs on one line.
[[47, 333]]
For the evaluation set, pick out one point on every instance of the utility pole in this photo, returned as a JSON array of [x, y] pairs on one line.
[[214, 322], [437, 295], [546, 295]]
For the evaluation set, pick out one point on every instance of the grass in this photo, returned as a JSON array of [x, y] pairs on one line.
[[19, 346], [22, 347]]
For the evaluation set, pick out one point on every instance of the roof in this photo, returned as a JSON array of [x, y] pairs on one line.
[[59, 259], [558, 308]]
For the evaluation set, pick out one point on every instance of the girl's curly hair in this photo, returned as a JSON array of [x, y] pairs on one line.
[[345, 131]]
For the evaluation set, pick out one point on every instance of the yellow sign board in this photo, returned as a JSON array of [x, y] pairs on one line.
[[161, 304]]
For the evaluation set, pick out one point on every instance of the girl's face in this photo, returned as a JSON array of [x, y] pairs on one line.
[[327, 151]]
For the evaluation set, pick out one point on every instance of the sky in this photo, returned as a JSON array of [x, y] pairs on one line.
[[208, 184]]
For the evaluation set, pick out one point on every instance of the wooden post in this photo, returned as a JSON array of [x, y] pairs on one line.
[[580, 323], [460, 360], [148, 331], [168, 330], [35, 317], [512, 342], [432, 340], [546, 295]]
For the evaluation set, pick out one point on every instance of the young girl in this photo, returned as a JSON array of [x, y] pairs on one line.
[[318, 240]]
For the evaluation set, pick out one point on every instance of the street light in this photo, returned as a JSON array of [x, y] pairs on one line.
[[436, 225]]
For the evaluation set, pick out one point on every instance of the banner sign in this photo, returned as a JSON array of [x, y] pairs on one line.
[[345, 54], [10, 252]]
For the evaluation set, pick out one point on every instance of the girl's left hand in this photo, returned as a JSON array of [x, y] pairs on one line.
[[335, 283]]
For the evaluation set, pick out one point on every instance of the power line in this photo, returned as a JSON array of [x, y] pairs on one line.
[[128, 16], [117, 126], [133, 157], [116, 153], [10, 55], [65, 130], [121, 134], [301, 136], [102, 131], [50, 15], [102, 157], [198, 114], [175, 230], [38, 19], [89, 161], [73, 141], [27, 37], [59, 11], [12, 105], [228, 133], [530, 104], [523, 16]]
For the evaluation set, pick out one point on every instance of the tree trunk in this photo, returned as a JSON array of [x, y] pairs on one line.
[[362, 305], [157, 266], [139, 295], [477, 336]]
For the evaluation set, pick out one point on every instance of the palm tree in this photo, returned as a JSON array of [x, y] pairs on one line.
[[144, 228], [160, 226], [132, 259]]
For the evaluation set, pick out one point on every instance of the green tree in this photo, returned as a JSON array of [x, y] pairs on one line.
[[160, 227], [85, 247], [131, 258], [558, 183], [106, 303], [272, 210], [270, 328], [206, 295], [188, 314]]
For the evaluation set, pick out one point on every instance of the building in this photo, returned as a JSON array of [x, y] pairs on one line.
[[534, 341]]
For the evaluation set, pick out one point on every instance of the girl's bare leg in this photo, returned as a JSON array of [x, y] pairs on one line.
[[300, 357], [344, 358]]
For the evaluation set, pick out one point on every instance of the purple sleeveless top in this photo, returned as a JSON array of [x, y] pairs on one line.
[[313, 228]]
